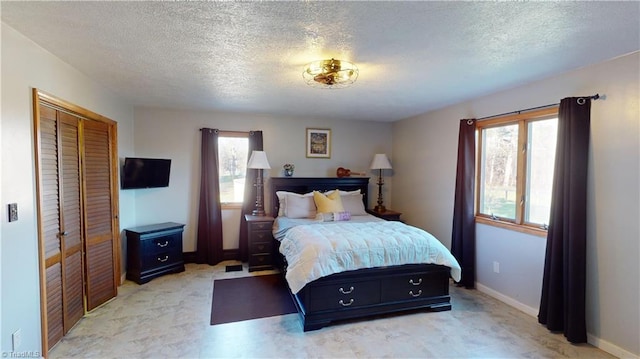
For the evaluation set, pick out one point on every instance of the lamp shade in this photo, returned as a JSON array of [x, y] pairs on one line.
[[258, 160], [380, 162]]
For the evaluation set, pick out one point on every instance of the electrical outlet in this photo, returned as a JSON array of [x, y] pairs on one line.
[[16, 338], [496, 267], [13, 212]]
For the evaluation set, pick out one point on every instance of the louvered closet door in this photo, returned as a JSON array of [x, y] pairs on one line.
[[78, 248], [61, 220], [50, 222], [98, 205], [71, 219]]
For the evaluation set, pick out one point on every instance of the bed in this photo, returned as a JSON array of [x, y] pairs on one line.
[[357, 293]]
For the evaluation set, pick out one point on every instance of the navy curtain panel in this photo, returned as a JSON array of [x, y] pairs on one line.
[[249, 203], [463, 238], [209, 237], [562, 304]]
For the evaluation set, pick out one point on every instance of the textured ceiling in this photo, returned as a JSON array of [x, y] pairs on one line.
[[248, 56]]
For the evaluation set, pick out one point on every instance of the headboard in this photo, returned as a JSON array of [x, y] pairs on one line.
[[307, 184]]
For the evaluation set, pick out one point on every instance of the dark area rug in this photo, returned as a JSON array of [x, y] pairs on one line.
[[247, 298]]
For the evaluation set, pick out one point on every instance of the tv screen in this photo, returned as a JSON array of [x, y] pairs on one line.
[[145, 173]]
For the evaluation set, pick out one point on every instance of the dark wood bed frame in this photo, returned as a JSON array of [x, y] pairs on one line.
[[365, 292]]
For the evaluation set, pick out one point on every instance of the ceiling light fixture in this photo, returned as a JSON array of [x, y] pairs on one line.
[[330, 74]]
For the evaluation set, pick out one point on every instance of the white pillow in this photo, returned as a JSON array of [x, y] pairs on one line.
[[282, 206], [353, 203], [297, 206]]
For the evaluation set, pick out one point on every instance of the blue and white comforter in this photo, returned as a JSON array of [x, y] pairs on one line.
[[321, 249]]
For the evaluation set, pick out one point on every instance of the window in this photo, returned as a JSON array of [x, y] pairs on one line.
[[516, 156], [233, 148]]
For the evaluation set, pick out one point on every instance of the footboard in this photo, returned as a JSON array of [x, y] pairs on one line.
[[363, 292], [369, 292]]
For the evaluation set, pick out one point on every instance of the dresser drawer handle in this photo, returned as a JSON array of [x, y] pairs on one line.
[[341, 290], [342, 303], [166, 258], [416, 294], [260, 235], [261, 247], [166, 243], [414, 283]]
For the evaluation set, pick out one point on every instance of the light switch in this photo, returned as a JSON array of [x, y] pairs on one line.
[[13, 212]]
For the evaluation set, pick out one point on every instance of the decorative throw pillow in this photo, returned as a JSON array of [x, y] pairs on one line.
[[342, 216], [344, 193], [334, 216], [326, 204]]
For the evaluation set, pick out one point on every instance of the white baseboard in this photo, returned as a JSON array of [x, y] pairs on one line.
[[508, 300], [591, 339], [610, 348]]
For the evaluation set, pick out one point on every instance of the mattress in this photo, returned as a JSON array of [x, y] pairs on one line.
[[316, 249]]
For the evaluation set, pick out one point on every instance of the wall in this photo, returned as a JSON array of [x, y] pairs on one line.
[[425, 192], [423, 179], [25, 66], [175, 134]]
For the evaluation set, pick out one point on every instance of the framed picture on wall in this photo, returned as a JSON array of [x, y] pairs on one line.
[[318, 143]]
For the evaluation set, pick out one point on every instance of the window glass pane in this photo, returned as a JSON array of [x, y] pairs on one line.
[[499, 171], [540, 161], [232, 167]]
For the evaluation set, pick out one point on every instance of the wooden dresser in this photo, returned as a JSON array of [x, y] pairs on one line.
[[154, 250], [261, 246]]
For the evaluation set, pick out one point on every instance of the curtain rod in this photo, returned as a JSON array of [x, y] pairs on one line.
[[228, 133], [594, 97]]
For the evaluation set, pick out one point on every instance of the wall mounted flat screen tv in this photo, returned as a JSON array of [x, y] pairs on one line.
[[145, 173]]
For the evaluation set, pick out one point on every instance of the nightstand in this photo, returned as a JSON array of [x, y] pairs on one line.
[[154, 250], [387, 215], [260, 242]]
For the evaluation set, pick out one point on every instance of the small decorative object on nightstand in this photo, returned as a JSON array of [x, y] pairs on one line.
[[261, 247], [387, 215]]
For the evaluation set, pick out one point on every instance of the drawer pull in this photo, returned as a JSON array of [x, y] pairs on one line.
[[416, 294], [414, 283], [260, 247], [342, 303], [166, 258], [341, 290], [166, 243]]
